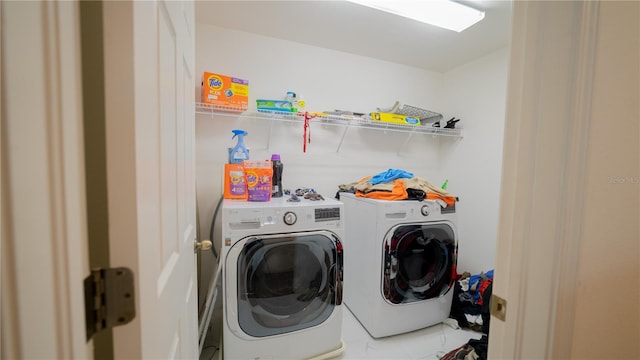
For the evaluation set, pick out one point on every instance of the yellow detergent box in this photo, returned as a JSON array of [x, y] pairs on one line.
[[394, 119], [225, 91]]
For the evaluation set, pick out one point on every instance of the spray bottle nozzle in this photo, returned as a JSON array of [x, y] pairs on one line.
[[239, 132]]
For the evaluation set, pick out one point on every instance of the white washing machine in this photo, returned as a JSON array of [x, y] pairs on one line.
[[400, 263], [282, 278]]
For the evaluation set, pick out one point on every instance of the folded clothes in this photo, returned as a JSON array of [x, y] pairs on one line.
[[396, 192], [414, 188]]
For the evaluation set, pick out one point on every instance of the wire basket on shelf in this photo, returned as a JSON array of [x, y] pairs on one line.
[[425, 116]]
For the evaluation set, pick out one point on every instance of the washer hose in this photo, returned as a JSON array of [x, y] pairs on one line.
[[213, 220]]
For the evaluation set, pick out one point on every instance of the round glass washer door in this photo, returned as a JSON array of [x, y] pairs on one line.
[[288, 282], [419, 262]]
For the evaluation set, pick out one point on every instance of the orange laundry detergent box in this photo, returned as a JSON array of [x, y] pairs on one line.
[[228, 92], [258, 175], [235, 186]]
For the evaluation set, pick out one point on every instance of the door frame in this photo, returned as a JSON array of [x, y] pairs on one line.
[[44, 204], [547, 127], [44, 235]]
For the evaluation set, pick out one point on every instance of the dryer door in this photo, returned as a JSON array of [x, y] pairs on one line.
[[419, 262], [287, 282]]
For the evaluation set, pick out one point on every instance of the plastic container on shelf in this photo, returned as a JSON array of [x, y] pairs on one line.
[[276, 182]]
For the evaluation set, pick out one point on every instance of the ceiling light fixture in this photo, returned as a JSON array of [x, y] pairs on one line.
[[442, 13]]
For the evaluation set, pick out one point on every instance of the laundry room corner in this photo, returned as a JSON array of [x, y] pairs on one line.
[[478, 91]]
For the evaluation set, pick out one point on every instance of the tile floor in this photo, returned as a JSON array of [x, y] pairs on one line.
[[425, 344]]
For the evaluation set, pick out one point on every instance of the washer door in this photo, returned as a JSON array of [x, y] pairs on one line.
[[419, 262], [287, 282]]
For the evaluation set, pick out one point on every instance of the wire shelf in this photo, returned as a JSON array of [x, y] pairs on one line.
[[345, 121], [327, 119]]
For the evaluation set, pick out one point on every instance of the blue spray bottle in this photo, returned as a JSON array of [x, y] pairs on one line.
[[240, 152]]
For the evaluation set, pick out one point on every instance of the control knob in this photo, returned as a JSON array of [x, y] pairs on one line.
[[290, 218], [425, 210]]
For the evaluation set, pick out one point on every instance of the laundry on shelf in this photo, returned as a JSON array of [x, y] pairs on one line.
[[397, 184]]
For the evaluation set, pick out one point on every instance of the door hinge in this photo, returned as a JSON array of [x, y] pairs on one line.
[[498, 307], [108, 299]]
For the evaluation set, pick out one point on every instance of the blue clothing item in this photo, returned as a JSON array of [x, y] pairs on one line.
[[474, 279], [389, 175], [474, 282]]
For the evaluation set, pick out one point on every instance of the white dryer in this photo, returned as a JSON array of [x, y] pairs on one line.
[[282, 278], [400, 263]]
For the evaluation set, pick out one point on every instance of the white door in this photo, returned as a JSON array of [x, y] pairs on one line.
[[150, 129], [543, 176], [44, 233], [566, 252], [149, 107]]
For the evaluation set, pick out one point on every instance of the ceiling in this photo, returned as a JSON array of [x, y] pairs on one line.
[[351, 28]]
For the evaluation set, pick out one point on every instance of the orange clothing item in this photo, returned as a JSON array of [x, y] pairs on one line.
[[399, 192], [450, 200]]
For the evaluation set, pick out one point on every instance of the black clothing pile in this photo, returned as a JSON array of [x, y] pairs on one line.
[[471, 297], [474, 349]]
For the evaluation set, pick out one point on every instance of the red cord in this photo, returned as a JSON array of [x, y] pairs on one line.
[[304, 137], [307, 131]]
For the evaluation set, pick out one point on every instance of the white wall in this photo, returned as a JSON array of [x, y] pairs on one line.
[[477, 92], [330, 80]]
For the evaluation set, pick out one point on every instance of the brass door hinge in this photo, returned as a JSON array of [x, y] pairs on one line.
[[498, 307], [108, 299]]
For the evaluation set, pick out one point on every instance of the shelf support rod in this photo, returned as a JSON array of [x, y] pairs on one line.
[[342, 138], [269, 135], [405, 142]]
